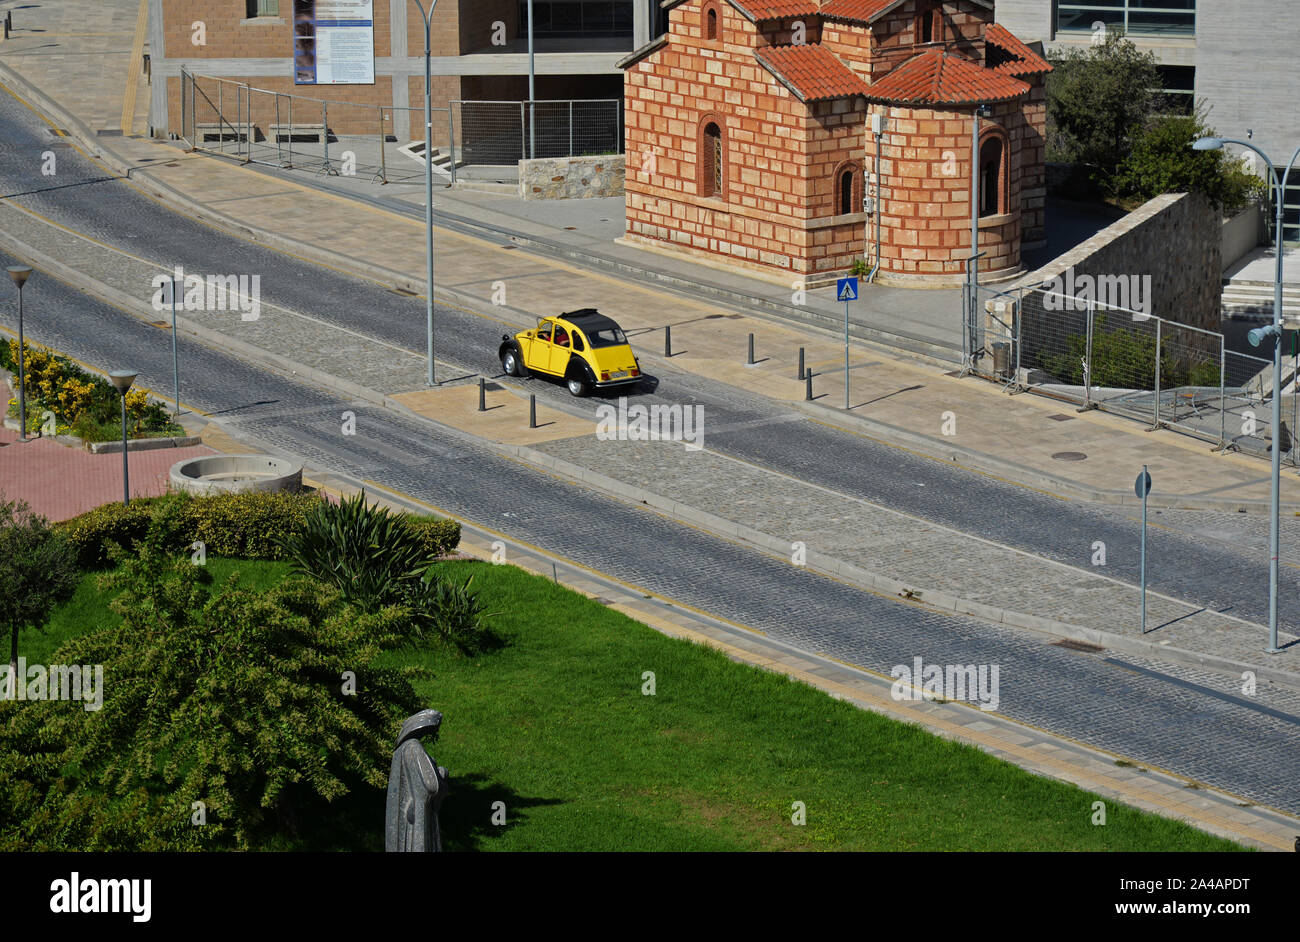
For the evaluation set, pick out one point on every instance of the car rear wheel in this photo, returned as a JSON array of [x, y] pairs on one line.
[[510, 363], [578, 385]]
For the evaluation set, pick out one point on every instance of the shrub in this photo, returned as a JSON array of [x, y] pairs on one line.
[[438, 537], [370, 554], [241, 526], [453, 612], [1125, 359], [234, 699]]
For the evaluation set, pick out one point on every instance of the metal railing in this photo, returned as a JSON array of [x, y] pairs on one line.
[[505, 132], [1160, 372], [384, 143]]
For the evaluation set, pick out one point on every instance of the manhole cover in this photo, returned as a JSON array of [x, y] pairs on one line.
[[1061, 418], [1069, 456], [1072, 645]]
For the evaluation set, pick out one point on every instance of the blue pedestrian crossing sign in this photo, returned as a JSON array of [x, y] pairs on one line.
[[846, 289]]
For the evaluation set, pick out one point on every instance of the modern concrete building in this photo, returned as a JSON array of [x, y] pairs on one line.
[[480, 50], [1235, 55]]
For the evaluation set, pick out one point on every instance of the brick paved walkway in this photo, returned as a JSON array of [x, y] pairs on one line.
[[61, 482]]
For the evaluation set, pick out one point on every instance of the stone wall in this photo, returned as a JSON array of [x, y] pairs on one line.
[[571, 178], [1175, 240]]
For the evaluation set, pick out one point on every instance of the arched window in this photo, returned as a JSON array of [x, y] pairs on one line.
[[929, 23], [710, 22], [712, 177], [992, 180], [848, 189]]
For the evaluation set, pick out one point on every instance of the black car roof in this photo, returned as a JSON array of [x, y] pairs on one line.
[[589, 319]]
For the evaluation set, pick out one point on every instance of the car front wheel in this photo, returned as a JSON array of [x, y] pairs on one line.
[[510, 363], [578, 386]]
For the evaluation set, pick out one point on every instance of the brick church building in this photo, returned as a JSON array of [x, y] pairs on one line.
[[750, 137]]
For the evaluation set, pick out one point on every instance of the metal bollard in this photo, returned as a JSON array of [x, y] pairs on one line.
[[482, 394], [750, 362], [807, 392], [668, 340], [532, 411], [800, 376]]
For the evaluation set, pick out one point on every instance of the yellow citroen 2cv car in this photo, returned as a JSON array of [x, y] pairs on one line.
[[584, 348]]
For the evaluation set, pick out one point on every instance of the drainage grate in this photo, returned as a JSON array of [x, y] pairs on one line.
[[161, 325], [1069, 456], [570, 228], [402, 291], [1071, 645], [509, 247], [1061, 418]]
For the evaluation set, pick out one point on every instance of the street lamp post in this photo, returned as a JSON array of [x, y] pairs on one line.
[[428, 171], [980, 111], [123, 379], [1257, 337], [176, 367], [20, 274], [532, 89]]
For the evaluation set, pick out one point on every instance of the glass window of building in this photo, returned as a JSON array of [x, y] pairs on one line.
[[1137, 17]]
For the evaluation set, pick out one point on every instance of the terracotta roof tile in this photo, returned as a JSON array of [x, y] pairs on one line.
[[811, 71], [937, 78], [860, 11], [759, 10], [1026, 61]]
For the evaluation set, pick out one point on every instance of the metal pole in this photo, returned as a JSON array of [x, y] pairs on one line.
[[974, 208], [451, 139], [176, 369], [750, 361], [249, 93], [807, 390], [482, 394], [126, 480], [801, 370], [1087, 361], [1223, 394], [846, 354], [1159, 324], [383, 151], [532, 90], [22, 374], [289, 162], [1144, 550], [532, 410], [279, 157], [428, 178], [668, 340], [325, 134], [571, 154], [1275, 501]]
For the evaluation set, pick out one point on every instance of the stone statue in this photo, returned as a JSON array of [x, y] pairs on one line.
[[416, 788]]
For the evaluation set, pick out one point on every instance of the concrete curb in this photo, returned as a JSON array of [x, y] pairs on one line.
[[827, 565], [949, 453]]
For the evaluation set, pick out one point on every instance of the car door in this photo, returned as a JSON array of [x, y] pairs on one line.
[[537, 351], [561, 348]]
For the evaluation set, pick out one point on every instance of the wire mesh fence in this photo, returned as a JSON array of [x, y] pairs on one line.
[[383, 143], [1160, 372], [505, 132]]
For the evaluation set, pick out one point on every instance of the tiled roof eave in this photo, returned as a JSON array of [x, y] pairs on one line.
[[936, 102]]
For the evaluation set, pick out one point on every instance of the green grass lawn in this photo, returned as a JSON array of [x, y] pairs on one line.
[[555, 725]]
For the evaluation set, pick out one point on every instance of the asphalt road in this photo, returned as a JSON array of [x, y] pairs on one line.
[[1157, 718]]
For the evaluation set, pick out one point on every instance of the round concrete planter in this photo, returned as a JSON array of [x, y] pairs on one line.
[[235, 474]]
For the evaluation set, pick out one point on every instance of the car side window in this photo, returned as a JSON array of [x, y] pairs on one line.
[[578, 345], [561, 336], [544, 331]]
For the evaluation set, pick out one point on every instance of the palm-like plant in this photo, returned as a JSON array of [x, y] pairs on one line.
[[368, 553]]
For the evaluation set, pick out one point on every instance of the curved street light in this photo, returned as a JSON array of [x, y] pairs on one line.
[[123, 379], [428, 171], [1256, 337]]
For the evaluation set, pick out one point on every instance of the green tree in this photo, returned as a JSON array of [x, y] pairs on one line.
[[1098, 102], [38, 570], [233, 706], [1163, 161]]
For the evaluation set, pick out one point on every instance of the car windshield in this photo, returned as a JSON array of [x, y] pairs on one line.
[[606, 337]]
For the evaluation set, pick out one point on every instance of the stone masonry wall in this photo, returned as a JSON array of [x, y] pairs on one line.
[[566, 178]]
